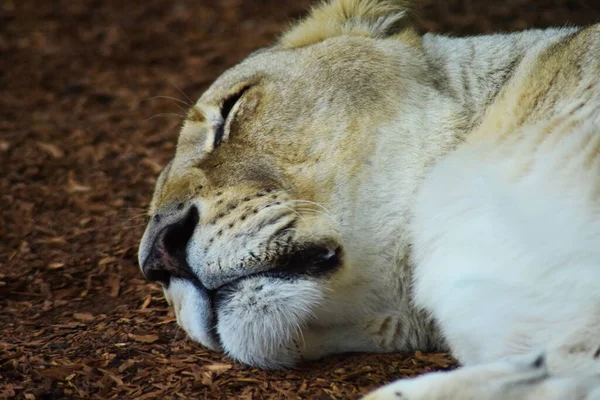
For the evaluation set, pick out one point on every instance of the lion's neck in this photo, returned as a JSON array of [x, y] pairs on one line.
[[436, 111], [471, 71]]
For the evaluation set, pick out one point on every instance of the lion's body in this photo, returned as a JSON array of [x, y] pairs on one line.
[[370, 189], [506, 237], [517, 206]]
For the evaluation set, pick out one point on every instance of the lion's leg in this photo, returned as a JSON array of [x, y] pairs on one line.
[[523, 378]]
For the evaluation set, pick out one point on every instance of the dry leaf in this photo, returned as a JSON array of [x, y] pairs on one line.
[[143, 338], [52, 149], [126, 365], [207, 379], [83, 316], [57, 240], [115, 285], [76, 187], [146, 302], [55, 265], [219, 367], [152, 395], [106, 260], [112, 376], [84, 221]]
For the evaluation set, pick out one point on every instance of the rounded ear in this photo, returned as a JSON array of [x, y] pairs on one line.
[[370, 18]]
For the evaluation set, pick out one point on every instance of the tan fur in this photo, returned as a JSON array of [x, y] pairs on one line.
[[560, 72], [368, 18]]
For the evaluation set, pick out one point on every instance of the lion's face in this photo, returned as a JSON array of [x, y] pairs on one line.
[[252, 223]]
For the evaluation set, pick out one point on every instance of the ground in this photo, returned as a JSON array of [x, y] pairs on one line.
[[91, 98]]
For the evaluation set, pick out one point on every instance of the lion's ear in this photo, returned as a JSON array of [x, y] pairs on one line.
[[371, 18]]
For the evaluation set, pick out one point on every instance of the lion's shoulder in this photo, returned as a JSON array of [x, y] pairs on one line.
[[559, 76]]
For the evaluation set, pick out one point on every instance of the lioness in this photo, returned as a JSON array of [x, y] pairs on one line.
[[359, 187]]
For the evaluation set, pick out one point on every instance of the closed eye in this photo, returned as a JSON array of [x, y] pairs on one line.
[[226, 108]]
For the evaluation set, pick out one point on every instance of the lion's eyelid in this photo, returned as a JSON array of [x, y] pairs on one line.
[[226, 108]]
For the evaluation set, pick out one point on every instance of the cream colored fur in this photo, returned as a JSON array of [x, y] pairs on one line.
[[458, 178]]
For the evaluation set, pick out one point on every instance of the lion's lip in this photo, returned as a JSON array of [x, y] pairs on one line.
[[212, 322], [322, 264], [313, 261]]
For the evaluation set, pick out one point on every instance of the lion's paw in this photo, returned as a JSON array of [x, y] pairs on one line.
[[393, 391]]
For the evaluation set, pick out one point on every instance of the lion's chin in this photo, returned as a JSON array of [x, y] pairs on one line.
[[193, 311], [258, 320]]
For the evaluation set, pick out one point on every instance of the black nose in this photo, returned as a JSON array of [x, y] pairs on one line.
[[168, 256]]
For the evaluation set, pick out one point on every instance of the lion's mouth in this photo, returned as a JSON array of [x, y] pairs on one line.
[[250, 305], [168, 256], [308, 260]]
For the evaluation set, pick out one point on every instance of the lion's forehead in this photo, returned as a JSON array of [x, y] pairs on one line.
[[336, 64]]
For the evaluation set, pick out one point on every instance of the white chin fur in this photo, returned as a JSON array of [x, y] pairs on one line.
[[260, 321], [192, 310]]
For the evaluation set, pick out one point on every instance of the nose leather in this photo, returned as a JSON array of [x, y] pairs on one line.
[[168, 254]]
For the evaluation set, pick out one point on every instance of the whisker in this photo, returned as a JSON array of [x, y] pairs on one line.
[[134, 217], [136, 226], [313, 203], [137, 215], [136, 210], [166, 115], [295, 212], [168, 98], [185, 110], [182, 92], [127, 222], [310, 212], [317, 212]]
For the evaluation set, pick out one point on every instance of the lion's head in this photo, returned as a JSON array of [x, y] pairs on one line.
[[278, 229]]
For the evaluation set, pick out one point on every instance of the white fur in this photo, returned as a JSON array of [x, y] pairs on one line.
[[272, 313], [501, 380], [507, 259], [192, 311], [509, 264]]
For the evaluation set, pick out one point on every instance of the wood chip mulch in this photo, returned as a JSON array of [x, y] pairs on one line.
[[91, 98]]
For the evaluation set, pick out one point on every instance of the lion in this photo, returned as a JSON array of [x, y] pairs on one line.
[[362, 187]]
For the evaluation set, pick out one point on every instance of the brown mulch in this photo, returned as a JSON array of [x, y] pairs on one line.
[[83, 133]]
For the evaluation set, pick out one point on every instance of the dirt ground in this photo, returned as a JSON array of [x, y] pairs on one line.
[[91, 98]]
